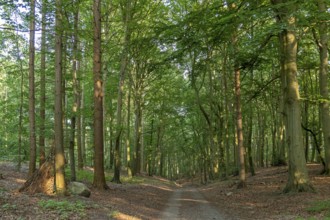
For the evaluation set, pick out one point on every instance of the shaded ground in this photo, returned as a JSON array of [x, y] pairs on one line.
[[263, 199], [152, 198]]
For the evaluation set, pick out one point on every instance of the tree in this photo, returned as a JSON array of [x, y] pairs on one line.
[[322, 44], [60, 186], [298, 177], [126, 16], [32, 125], [99, 177], [239, 120], [75, 107], [42, 156]]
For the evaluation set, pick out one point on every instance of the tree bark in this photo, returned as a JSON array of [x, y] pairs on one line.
[[79, 127], [42, 154], [128, 134], [60, 186], [298, 180], [99, 177], [239, 120], [138, 133], [123, 69], [239, 124], [323, 80], [32, 125], [75, 64]]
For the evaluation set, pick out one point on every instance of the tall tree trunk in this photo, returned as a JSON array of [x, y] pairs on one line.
[[226, 106], [323, 80], [239, 120], [99, 177], [79, 130], [298, 177], [111, 134], [239, 124], [42, 154], [261, 141], [123, 69], [60, 186], [249, 142], [75, 64], [128, 134], [138, 133], [32, 126], [79, 127], [21, 105]]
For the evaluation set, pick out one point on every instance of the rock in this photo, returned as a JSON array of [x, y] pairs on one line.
[[80, 189], [229, 193]]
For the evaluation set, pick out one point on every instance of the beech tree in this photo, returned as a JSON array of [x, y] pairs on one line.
[[298, 177], [176, 81], [322, 43], [126, 17]]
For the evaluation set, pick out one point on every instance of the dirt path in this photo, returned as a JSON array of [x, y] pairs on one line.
[[188, 203]]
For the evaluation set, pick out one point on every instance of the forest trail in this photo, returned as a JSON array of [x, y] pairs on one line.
[[189, 203]]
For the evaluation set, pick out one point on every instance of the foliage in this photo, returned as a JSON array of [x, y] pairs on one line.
[[180, 72]]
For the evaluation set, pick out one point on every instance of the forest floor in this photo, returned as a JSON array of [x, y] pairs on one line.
[[157, 198]]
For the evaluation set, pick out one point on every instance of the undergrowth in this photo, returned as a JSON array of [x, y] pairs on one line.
[[64, 208], [319, 208]]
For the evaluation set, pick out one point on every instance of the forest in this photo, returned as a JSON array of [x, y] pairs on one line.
[[203, 90]]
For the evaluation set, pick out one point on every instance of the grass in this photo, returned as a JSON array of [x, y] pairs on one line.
[[8, 206], [132, 180], [320, 207], [63, 208], [114, 214], [85, 175]]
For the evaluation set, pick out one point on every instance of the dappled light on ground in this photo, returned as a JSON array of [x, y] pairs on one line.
[[17, 180], [147, 197], [122, 216]]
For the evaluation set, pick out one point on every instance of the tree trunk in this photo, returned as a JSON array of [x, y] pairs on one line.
[[298, 177], [238, 110], [21, 106], [138, 133], [128, 135], [75, 88], [323, 80], [32, 125], [99, 177], [239, 124], [249, 143], [123, 69], [60, 186], [79, 128], [226, 106], [42, 154]]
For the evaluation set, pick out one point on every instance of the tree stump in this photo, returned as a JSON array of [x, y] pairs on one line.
[[42, 180]]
